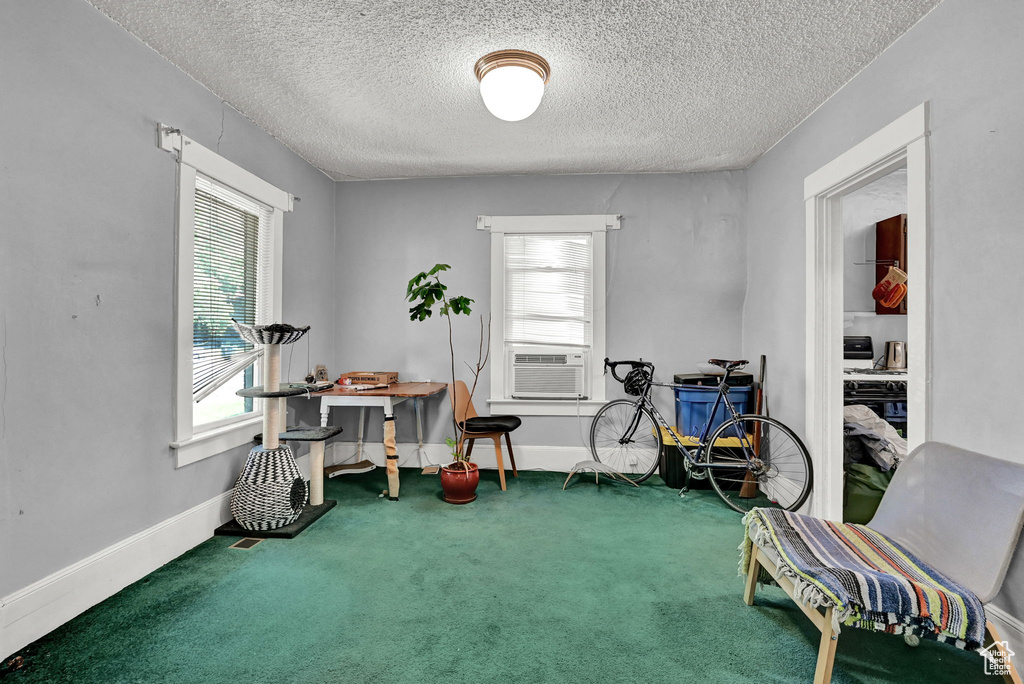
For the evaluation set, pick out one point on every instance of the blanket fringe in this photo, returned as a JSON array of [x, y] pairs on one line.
[[805, 593]]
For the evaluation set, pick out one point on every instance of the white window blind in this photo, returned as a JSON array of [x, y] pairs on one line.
[[549, 296], [230, 259]]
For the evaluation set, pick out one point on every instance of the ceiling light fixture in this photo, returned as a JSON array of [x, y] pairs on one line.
[[512, 82]]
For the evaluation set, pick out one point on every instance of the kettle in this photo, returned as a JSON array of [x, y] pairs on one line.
[[895, 355]]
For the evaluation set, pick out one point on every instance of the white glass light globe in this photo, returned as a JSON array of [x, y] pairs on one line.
[[512, 93]]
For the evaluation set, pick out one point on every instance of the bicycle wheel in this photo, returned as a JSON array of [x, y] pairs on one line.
[[623, 436], [772, 471]]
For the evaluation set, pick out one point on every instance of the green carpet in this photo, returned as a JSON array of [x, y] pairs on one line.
[[594, 584]]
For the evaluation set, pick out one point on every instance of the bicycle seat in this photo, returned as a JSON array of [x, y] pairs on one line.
[[728, 365]]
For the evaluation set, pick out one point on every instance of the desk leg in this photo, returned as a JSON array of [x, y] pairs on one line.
[[359, 439], [419, 429], [325, 413], [390, 452]]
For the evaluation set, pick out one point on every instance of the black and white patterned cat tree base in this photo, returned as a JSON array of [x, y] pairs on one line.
[[270, 492], [309, 515], [316, 436]]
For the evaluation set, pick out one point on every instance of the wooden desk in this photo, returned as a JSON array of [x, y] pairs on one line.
[[386, 398]]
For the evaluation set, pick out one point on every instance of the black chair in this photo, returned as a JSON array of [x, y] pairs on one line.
[[483, 427]]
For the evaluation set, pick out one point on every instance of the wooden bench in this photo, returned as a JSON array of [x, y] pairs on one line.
[[956, 512]]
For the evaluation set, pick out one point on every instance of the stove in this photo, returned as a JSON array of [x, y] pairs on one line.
[[890, 380], [874, 371], [858, 391], [883, 391]]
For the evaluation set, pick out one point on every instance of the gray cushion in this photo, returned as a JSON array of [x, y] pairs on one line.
[[958, 511]]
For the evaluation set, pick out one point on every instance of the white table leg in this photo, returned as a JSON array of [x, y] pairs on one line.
[[359, 440], [419, 424]]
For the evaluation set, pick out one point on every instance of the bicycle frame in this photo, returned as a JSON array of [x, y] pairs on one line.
[[693, 457]]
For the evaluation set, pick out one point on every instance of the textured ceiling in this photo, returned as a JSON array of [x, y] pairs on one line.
[[385, 88]]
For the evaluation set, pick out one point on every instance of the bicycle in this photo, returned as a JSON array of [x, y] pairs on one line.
[[750, 460]]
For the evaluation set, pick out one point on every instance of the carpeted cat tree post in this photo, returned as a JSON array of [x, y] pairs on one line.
[[270, 492]]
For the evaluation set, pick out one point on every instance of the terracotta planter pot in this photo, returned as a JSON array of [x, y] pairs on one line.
[[460, 485]]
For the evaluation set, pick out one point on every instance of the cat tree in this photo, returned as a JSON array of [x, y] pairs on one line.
[[270, 493]]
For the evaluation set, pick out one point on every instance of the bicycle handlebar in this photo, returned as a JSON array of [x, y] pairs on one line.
[[611, 365]]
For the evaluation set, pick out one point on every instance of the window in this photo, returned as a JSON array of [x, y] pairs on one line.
[[228, 266], [549, 289], [230, 233], [548, 302]]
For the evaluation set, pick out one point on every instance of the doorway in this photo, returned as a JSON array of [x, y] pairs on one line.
[[900, 145]]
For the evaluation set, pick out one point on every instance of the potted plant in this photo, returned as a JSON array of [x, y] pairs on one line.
[[460, 477]]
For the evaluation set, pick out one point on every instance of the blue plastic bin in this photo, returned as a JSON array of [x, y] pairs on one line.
[[693, 405]]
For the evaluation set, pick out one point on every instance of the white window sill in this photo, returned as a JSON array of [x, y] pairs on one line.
[[545, 407], [216, 441]]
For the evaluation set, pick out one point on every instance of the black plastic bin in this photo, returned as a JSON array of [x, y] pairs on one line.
[[672, 466]]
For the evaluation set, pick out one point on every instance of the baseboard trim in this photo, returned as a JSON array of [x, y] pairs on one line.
[[41, 607], [547, 458], [45, 605], [1010, 629]]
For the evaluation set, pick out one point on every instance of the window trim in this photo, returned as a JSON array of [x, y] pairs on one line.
[[597, 226], [191, 446]]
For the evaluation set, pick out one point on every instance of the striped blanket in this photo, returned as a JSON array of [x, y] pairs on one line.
[[872, 582]]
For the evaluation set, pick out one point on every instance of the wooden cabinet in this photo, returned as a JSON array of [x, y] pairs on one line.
[[891, 250]]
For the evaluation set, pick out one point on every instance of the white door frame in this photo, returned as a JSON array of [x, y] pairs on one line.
[[904, 142]]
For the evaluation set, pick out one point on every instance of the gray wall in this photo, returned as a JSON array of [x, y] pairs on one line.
[[676, 275], [88, 258], [965, 57]]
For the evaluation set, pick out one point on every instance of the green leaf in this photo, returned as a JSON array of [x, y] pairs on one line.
[[438, 268], [413, 282], [419, 312], [460, 305]]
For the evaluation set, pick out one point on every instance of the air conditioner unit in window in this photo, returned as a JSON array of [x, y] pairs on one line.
[[547, 373]]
